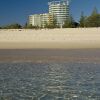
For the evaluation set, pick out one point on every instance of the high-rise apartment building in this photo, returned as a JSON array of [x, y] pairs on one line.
[[60, 9]]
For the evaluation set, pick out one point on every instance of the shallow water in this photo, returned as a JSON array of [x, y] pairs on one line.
[[50, 81]]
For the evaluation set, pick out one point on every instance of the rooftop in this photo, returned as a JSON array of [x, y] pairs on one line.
[[59, 2]]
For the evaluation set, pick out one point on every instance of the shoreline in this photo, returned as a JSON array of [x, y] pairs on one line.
[[49, 56]]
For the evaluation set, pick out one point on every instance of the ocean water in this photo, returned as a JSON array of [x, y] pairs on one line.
[[50, 81]]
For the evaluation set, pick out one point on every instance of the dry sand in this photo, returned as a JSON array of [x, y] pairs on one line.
[[71, 38]]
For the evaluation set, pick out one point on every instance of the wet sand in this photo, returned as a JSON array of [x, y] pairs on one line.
[[72, 44], [47, 55]]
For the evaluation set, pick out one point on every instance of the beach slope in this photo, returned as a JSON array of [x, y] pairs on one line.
[[71, 38]]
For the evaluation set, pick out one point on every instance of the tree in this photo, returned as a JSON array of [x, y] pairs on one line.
[[25, 26], [82, 20], [76, 24], [52, 24], [94, 12], [13, 26], [30, 26], [94, 19], [45, 25], [69, 23]]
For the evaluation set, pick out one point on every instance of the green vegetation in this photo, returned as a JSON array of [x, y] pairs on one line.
[[69, 23], [52, 25], [27, 26], [85, 21], [91, 21], [12, 26], [82, 20]]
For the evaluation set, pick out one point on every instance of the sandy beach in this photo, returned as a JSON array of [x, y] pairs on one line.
[[71, 38]]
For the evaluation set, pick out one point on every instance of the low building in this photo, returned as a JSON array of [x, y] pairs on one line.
[[47, 19], [44, 19], [35, 20], [41, 20]]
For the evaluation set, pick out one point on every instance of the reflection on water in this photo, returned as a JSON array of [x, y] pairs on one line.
[[49, 81]]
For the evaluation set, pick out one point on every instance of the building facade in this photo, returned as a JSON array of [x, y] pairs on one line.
[[41, 20], [35, 20], [46, 19], [60, 9]]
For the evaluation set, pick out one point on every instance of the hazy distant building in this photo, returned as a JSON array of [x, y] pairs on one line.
[[60, 9]]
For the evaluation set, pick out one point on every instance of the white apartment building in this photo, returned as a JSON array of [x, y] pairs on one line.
[[60, 9], [40, 19], [46, 19], [35, 20]]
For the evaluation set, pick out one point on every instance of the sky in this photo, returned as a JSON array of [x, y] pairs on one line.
[[17, 11]]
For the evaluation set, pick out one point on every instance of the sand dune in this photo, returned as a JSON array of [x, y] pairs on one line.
[[50, 38]]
